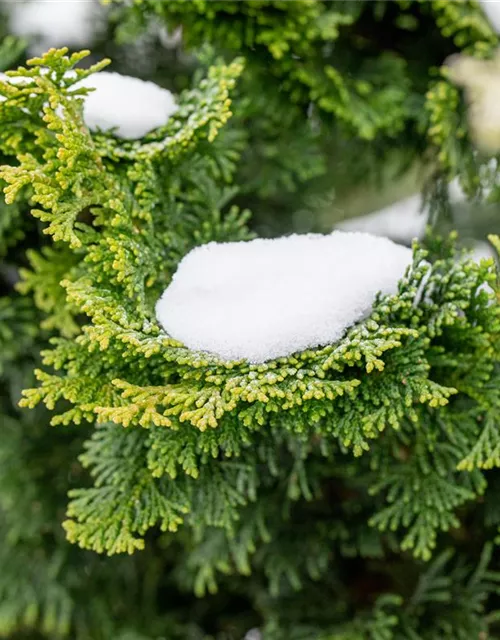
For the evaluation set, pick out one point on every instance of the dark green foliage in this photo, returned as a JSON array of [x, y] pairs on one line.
[[342, 85], [294, 42]]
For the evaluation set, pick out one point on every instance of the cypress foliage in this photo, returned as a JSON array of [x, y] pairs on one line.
[[347, 492]]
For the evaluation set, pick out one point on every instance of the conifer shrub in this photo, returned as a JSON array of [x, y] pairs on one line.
[[346, 492]]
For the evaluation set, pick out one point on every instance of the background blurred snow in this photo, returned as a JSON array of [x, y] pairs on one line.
[[492, 9], [55, 23]]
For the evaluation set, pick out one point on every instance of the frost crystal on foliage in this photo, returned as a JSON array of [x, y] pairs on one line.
[[264, 299], [131, 106], [54, 23]]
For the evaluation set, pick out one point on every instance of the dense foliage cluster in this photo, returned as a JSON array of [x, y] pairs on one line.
[[335, 86], [348, 492]]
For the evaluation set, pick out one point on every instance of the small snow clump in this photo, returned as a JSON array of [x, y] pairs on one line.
[[130, 106], [404, 220], [54, 23], [264, 299]]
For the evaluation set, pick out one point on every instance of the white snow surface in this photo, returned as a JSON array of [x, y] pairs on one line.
[[54, 23], [130, 106], [263, 299], [492, 10]]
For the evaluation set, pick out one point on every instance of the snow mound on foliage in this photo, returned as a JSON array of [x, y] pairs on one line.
[[54, 23], [263, 299], [130, 106]]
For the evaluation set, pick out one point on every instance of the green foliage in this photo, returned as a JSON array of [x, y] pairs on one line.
[[325, 52], [43, 280], [385, 377], [11, 48], [287, 37], [318, 496], [17, 329], [10, 227], [46, 588], [324, 97], [446, 602]]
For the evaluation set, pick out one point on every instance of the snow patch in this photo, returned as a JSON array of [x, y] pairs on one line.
[[264, 299], [253, 634], [401, 221], [54, 23], [481, 251], [130, 106]]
